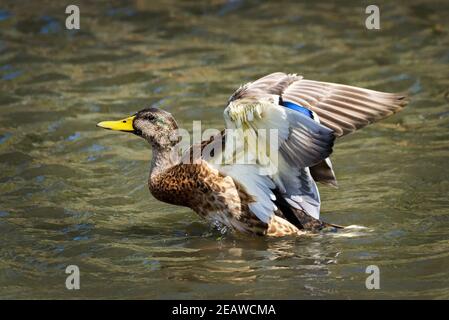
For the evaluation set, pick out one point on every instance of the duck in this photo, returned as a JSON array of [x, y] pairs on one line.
[[267, 185]]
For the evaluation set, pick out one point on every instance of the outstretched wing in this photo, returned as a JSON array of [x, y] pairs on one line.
[[342, 108], [339, 107], [307, 115]]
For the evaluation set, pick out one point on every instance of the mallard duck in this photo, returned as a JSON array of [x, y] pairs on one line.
[[247, 197]]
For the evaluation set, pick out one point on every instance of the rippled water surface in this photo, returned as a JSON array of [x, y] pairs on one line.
[[74, 194]]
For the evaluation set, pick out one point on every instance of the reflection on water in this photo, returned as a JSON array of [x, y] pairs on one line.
[[72, 194]]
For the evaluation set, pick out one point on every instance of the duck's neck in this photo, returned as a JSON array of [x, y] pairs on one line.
[[163, 158]]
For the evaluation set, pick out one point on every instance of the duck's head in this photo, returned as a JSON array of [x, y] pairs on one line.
[[156, 126]]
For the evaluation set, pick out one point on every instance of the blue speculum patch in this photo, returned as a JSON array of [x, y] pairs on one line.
[[298, 108]]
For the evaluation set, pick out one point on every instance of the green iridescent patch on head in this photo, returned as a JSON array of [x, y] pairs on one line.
[[161, 122]]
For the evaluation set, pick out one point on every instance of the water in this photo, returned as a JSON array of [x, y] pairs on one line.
[[74, 194]]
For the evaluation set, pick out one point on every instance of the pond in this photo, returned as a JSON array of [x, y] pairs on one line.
[[73, 194]]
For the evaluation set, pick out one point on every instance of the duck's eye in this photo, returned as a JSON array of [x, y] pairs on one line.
[[150, 117]]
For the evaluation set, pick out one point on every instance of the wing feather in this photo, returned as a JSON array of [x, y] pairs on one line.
[[343, 108]]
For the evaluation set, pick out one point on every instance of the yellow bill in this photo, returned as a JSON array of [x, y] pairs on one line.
[[119, 125]]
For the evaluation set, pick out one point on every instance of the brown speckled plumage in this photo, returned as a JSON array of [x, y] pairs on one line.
[[212, 195]]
